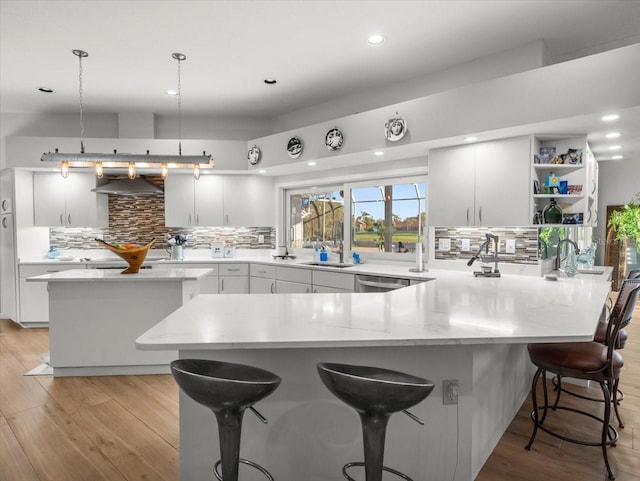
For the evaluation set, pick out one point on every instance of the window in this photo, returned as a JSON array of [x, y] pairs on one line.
[[316, 216], [387, 217], [384, 216]]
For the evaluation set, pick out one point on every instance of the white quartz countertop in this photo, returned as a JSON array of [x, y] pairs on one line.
[[108, 275], [454, 308]]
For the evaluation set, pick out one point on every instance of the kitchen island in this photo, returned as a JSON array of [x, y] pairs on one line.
[[456, 326], [96, 315]]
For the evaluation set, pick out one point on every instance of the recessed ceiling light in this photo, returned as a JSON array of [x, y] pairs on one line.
[[615, 147], [378, 153], [613, 135], [610, 117], [45, 90], [311, 163], [375, 39], [270, 81], [616, 157], [172, 92], [470, 139], [262, 171]]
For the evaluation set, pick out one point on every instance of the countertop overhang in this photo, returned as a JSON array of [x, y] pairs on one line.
[[454, 308], [108, 275]]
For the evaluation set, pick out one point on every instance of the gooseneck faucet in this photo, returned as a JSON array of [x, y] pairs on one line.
[[558, 262]]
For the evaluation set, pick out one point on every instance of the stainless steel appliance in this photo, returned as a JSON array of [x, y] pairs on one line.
[[366, 283]]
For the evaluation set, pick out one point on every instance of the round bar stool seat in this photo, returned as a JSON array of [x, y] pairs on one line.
[[227, 389], [375, 394]]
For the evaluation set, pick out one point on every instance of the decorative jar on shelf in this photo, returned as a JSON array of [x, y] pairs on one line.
[[552, 213]]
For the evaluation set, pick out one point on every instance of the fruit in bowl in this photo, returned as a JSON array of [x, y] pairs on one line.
[[132, 253]]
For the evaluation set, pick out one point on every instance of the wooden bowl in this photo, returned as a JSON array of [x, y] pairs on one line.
[[134, 256]]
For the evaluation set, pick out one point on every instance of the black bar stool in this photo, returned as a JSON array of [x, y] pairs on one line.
[[375, 394], [591, 361], [228, 390]]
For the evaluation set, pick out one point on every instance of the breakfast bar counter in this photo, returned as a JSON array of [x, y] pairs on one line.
[[95, 316], [454, 327]]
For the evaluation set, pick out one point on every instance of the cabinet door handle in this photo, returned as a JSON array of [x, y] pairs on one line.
[[271, 288], [189, 220], [226, 219], [480, 214], [197, 219], [233, 270], [69, 219], [315, 291], [5, 203], [467, 215], [222, 284], [307, 291], [61, 220], [4, 222]]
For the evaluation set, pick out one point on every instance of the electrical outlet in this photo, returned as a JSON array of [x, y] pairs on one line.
[[465, 245], [260, 238], [510, 246], [444, 245], [450, 392]]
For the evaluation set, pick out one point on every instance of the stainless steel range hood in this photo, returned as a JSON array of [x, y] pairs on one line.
[[132, 187]]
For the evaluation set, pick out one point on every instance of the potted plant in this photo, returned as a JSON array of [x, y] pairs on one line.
[[626, 221]]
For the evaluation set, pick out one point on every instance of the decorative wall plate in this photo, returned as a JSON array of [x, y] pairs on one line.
[[395, 128], [334, 138], [254, 155], [294, 147]]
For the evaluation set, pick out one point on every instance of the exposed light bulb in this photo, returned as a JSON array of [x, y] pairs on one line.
[[64, 169], [132, 170], [196, 171], [99, 170], [164, 172]]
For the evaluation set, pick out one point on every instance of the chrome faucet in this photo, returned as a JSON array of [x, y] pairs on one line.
[[558, 262]]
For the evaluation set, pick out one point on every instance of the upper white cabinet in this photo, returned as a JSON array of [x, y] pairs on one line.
[[217, 200], [571, 162], [6, 192], [190, 203], [249, 201], [68, 202], [484, 184]]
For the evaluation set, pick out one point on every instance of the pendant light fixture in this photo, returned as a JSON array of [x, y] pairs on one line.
[[128, 161]]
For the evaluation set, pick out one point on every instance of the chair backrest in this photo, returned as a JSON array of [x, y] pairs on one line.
[[635, 274], [622, 310]]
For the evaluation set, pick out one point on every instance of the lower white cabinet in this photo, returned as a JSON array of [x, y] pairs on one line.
[[288, 287], [324, 281], [261, 285], [34, 297], [234, 279]]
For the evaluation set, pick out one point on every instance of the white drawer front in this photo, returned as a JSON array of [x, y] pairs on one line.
[[333, 279], [293, 274], [261, 270], [234, 269]]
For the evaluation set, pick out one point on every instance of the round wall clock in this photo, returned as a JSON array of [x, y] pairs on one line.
[[334, 139], [254, 155], [294, 147], [395, 128]]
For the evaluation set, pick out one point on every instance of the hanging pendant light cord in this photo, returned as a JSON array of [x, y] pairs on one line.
[[80, 54], [179, 57]]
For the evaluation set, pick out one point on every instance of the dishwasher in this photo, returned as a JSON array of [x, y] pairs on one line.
[[378, 283]]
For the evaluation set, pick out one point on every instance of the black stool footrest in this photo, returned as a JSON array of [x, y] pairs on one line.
[[384, 468], [266, 473]]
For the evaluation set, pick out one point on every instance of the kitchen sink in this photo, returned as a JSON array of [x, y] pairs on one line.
[[328, 264]]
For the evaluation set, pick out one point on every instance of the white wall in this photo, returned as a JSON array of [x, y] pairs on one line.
[[618, 183]]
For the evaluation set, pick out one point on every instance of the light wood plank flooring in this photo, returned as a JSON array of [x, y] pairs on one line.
[[125, 428]]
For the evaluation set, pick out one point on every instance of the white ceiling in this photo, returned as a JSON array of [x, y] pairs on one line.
[[316, 50]]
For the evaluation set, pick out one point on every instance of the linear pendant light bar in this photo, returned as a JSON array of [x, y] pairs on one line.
[[129, 161]]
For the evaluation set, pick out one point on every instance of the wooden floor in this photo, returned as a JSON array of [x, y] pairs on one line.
[[126, 427]]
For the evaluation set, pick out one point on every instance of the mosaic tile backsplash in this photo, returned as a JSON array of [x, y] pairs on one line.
[[526, 243], [137, 220]]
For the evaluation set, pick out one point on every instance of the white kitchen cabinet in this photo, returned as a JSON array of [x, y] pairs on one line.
[[484, 184], [262, 279], [6, 192], [325, 281], [219, 200], [68, 202], [249, 201], [34, 298], [293, 280], [190, 203], [288, 287], [234, 279]]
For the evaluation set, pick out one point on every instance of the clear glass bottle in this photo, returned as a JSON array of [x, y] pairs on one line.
[[571, 265]]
